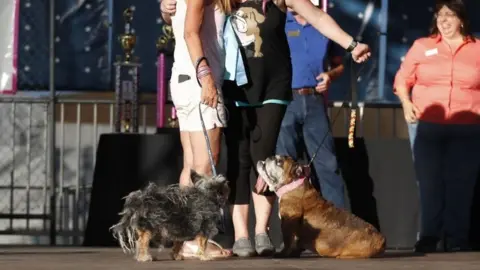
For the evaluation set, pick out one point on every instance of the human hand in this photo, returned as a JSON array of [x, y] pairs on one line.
[[209, 91], [410, 111], [361, 53], [324, 82], [168, 6]]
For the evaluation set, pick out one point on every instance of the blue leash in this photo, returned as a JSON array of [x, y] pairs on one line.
[[209, 147]]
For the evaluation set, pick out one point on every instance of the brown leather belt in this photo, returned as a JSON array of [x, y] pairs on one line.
[[305, 91]]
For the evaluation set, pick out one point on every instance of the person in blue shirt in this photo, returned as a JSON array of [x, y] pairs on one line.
[[306, 116]]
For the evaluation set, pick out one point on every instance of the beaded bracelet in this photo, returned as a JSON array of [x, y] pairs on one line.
[[202, 72], [197, 65]]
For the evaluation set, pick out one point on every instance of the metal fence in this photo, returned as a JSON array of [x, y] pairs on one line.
[[28, 195], [48, 148]]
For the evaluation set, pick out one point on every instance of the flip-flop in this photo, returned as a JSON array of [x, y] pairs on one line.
[[190, 251]]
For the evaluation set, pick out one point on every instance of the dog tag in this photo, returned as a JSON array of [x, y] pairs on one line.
[[431, 52]]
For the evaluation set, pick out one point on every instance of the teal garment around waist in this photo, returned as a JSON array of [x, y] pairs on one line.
[[268, 101]]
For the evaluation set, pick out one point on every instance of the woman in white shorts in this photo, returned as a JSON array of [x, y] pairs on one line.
[[198, 59]]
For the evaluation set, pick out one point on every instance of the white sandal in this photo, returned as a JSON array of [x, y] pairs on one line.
[[192, 252]]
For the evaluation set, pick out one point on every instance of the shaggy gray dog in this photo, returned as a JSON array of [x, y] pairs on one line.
[[172, 213]]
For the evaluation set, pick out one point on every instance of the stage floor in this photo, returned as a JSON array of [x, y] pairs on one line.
[[102, 259]]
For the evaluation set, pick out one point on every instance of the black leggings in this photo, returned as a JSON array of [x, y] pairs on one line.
[[251, 135]]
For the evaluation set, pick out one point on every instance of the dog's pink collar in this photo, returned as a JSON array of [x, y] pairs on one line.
[[287, 188]]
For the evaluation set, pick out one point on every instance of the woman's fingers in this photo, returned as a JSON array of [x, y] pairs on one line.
[[215, 101]]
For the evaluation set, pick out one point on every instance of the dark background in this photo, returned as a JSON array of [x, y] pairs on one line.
[[87, 42]]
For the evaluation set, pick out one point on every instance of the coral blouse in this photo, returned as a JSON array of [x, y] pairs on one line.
[[446, 84]]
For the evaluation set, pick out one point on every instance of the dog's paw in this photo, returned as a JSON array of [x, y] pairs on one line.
[[144, 258], [176, 257]]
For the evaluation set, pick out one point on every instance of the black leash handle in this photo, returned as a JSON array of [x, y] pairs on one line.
[[353, 110]]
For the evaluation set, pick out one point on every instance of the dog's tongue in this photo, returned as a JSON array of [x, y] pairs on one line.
[[261, 186]]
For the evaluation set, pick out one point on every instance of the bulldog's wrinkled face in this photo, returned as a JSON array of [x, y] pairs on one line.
[[277, 171]]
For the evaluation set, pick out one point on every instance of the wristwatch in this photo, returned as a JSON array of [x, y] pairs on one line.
[[352, 45]]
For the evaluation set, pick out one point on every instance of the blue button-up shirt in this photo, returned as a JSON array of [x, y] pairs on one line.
[[308, 49]]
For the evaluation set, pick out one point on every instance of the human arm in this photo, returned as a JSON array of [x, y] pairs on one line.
[[336, 68], [329, 28], [193, 24], [405, 79], [167, 9]]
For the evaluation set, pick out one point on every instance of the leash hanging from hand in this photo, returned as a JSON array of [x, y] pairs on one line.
[[221, 226], [204, 129], [353, 113], [353, 109], [209, 147]]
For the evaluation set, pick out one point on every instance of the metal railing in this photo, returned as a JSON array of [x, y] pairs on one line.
[[25, 188]]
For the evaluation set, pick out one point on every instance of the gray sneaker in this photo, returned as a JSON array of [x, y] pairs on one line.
[[243, 248], [263, 245]]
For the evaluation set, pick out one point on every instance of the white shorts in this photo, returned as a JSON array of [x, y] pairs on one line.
[[186, 99]]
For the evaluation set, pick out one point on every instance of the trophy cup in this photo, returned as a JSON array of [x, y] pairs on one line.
[[165, 46], [126, 80]]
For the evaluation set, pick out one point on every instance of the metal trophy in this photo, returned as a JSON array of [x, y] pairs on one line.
[[165, 46], [126, 81]]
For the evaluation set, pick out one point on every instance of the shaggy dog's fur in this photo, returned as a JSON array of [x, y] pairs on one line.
[[172, 213]]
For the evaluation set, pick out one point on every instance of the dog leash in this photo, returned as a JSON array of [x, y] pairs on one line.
[[204, 129], [209, 147], [353, 113], [221, 226]]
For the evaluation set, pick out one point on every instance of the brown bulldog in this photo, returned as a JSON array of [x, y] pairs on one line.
[[310, 222]]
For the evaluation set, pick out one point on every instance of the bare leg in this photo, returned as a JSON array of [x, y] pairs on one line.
[[201, 160], [240, 220], [201, 164], [187, 158], [263, 209]]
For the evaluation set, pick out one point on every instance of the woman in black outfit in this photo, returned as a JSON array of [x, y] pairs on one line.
[[256, 110]]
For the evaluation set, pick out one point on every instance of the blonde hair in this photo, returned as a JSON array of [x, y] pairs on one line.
[[226, 6]]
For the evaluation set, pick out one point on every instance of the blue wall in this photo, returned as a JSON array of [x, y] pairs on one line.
[[87, 44]]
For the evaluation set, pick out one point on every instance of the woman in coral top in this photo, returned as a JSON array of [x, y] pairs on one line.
[[443, 72]]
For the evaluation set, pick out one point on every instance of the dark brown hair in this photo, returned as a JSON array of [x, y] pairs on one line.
[[458, 7]]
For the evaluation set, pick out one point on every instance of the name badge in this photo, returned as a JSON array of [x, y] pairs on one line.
[[431, 52], [293, 33]]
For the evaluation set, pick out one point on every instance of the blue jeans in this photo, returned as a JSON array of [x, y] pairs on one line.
[[412, 132], [447, 163], [306, 115]]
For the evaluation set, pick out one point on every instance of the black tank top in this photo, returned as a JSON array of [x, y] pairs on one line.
[[266, 53]]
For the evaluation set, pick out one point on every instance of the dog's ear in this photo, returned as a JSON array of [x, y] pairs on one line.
[[194, 176], [220, 178]]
